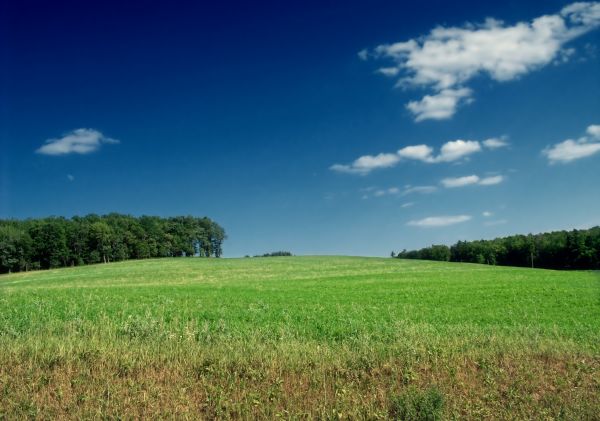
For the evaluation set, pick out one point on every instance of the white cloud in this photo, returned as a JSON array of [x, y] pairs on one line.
[[586, 14], [495, 143], [460, 181], [366, 164], [407, 205], [487, 214], [447, 58], [388, 71], [453, 182], [594, 130], [79, 141], [386, 192], [419, 152], [392, 191], [571, 150], [490, 181], [452, 151], [455, 150], [395, 191], [439, 221], [440, 106]]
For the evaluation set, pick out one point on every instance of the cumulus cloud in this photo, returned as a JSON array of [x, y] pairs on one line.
[[594, 131], [571, 150], [455, 150], [450, 151], [439, 221], [470, 180], [439, 106], [447, 58], [419, 152], [78, 141]]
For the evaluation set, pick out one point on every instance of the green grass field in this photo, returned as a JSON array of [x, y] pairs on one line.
[[299, 337]]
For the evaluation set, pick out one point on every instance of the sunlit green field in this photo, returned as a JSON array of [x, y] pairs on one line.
[[299, 337]]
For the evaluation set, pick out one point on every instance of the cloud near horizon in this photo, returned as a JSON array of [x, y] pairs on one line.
[[439, 221], [447, 58], [452, 151], [78, 141], [571, 150]]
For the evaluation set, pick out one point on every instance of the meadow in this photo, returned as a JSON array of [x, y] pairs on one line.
[[299, 338]]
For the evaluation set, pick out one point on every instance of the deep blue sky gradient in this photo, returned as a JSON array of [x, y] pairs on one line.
[[237, 111]]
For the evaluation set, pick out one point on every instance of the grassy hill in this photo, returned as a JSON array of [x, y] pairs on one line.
[[300, 337]]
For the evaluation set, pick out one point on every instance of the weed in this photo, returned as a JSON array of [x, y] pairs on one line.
[[418, 405]]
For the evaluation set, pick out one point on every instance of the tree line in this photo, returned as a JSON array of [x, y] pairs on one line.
[[57, 242], [280, 253], [576, 249]]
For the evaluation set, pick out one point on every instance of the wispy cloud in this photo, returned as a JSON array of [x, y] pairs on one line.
[[367, 163], [395, 191], [386, 192], [70, 177], [495, 143], [407, 205], [460, 181], [467, 180], [419, 189], [491, 181], [78, 141], [487, 214], [448, 58], [452, 151], [439, 221], [571, 150]]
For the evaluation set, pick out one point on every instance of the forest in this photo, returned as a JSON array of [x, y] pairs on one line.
[[54, 242], [576, 249]]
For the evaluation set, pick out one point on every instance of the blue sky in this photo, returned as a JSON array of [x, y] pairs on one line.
[[318, 128]]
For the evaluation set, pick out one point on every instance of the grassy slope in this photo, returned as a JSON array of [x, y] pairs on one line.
[[300, 336]]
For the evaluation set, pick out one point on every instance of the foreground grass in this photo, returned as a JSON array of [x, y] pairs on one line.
[[300, 337]]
